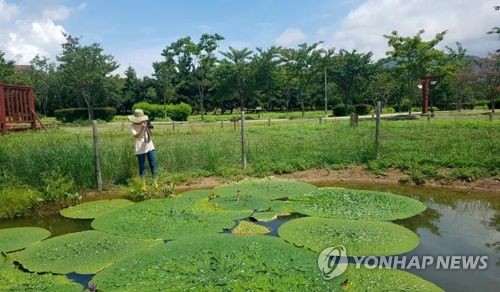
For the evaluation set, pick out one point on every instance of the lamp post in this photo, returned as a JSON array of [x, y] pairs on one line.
[[424, 86]]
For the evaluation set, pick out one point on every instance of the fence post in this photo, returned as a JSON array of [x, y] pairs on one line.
[[221, 124], [243, 140], [320, 120], [269, 122], [377, 130], [97, 156], [173, 125], [3, 118]]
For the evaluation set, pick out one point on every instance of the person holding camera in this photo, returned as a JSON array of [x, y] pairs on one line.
[[144, 148]]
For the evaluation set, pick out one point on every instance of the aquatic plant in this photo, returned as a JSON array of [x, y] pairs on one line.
[[17, 238], [85, 252], [266, 188], [170, 218], [246, 202], [356, 204], [249, 228], [94, 209], [268, 215], [360, 238], [218, 263], [16, 280]]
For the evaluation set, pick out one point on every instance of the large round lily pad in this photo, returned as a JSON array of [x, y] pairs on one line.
[[12, 239], [266, 188], [94, 209], [268, 215], [16, 280], [169, 218], [247, 202], [356, 204], [218, 263], [361, 238], [385, 280], [85, 252]]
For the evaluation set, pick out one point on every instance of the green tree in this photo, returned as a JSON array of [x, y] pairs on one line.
[[487, 77], [238, 65], [86, 71], [130, 90], [43, 77], [264, 71]]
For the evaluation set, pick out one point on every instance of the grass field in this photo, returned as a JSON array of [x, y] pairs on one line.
[[468, 145]]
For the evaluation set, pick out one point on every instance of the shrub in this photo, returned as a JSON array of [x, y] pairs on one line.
[[69, 115], [362, 109], [17, 201], [340, 110], [59, 188], [177, 112], [497, 104], [139, 190]]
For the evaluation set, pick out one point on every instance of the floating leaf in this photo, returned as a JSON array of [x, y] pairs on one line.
[[385, 280], [218, 262], [85, 252], [12, 239], [169, 218], [94, 209], [266, 188], [247, 203], [356, 204], [248, 228], [16, 280], [361, 238], [268, 215]]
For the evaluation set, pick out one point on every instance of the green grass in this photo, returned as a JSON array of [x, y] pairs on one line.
[[471, 147]]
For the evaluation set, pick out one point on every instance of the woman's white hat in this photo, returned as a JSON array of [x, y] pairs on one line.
[[138, 117]]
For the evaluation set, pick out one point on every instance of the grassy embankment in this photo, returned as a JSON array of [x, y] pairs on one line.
[[467, 148]]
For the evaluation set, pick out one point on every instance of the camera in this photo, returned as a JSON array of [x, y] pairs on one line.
[[150, 126]]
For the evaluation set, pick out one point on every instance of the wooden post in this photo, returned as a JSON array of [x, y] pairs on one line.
[[234, 123], [31, 105], [3, 118], [243, 141], [173, 125], [377, 130], [269, 122], [97, 156], [221, 124], [320, 120]]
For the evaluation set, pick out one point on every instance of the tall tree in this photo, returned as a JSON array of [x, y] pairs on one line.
[[488, 77], [239, 59], [43, 77], [86, 71]]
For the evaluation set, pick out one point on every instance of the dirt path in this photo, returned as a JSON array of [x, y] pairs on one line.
[[357, 175]]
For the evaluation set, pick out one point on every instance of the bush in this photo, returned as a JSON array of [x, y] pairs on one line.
[[176, 112], [69, 115], [17, 201], [362, 109], [59, 188], [340, 110], [497, 104], [139, 190]]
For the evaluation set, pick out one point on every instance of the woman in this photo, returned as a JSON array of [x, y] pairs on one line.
[[144, 147]]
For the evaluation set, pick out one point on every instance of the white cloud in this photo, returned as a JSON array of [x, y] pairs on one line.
[[7, 11], [466, 22], [27, 30], [290, 37]]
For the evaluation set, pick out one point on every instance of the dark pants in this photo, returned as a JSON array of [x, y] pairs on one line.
[[142, 163]]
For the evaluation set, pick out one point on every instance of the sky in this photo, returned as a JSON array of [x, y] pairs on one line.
[[136, 32]]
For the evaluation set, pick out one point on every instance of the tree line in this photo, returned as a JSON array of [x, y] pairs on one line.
[[307, 77]]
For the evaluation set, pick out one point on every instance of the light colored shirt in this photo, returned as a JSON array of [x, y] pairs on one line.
[[141, 143]]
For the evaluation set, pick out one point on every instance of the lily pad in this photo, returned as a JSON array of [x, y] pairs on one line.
[[169, 218], [246, 202], [16, 280], [360, 238], [266, 188], [385, 280], [268, 215], [91, 210], [12, 239], [249, 228], [356, 204], [85, 252], [218, 263]]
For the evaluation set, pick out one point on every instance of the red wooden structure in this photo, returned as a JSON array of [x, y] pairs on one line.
[[17, 108]]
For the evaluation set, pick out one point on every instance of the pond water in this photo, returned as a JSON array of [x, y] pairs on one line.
[[455, 223]]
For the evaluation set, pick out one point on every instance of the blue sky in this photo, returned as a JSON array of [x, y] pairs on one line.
[[135, 32]]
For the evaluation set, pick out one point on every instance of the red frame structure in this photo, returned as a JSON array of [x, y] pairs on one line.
[[17, 108]]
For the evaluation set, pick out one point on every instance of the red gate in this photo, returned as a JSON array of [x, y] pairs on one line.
[[17, 108]]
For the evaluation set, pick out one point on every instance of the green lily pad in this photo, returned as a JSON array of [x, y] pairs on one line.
[[218, 263], [12, 239], [360, 238], [91, 210], [266, 188], [247, 203], [268, 215], [356, 204], [85, 252], [385, 280], [16, 280], [249, 228], [169, 218]]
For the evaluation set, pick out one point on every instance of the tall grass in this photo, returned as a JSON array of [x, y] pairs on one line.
[[279, 148]]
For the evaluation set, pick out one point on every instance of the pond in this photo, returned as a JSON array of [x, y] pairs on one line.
[[455, 223]]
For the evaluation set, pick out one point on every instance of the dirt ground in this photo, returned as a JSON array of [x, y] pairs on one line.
[[357, 175]]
